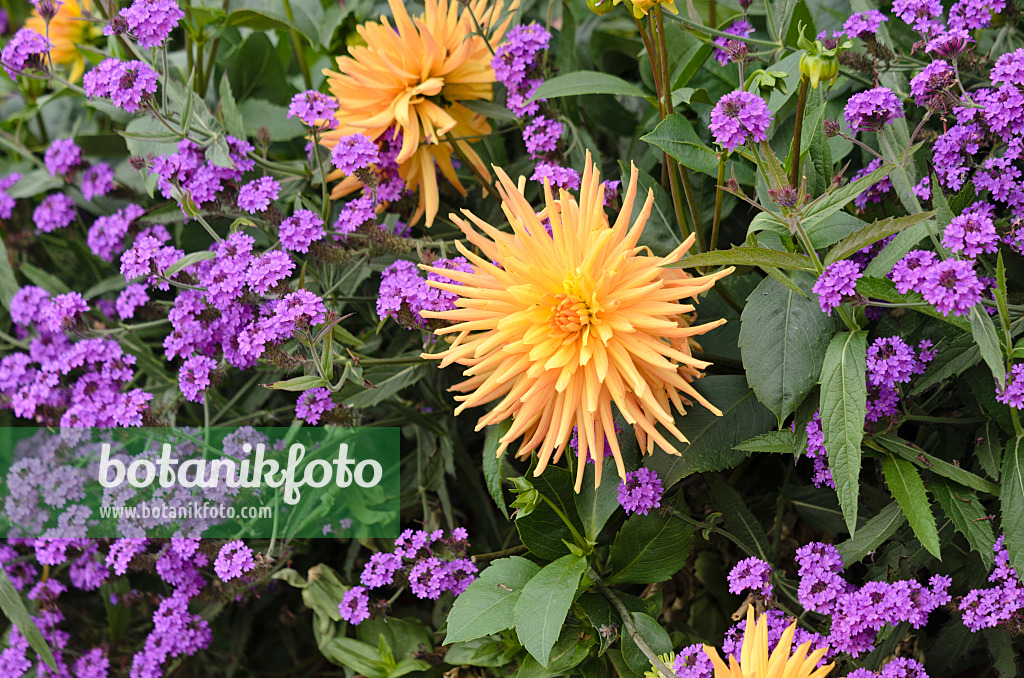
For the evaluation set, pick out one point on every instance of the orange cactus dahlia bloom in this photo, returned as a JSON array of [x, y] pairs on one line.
[[412, 78], [67, 29], [756, 662], [560, 327]]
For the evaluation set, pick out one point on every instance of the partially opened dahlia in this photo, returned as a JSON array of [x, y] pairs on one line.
[[411, 79], [567, 316]]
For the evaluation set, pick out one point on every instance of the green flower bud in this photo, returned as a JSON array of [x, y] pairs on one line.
[[600, 7], [528, 497], [820, 63]]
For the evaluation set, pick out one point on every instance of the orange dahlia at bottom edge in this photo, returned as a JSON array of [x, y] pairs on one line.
[[558, 325], [412, 79], [757, 662]]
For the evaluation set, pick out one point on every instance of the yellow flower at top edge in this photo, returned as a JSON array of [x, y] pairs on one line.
[[411, 78], [757, 662], [67, 29], [555, 329]]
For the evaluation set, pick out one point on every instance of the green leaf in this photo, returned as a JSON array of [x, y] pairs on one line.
[[984, 332], [747, 256], [257, 113], [649, 548], [653, 634], [952, 360], [44, 279], [233, 121], [596, 505], [907, 489], [919, 457], [738, 518], [869, 235], [542, 531], [1011, 499], [1004, 656], [489, 603], [898, 247], [1000, 295], [776, 442], [8, 283], [263, 15], [885, 289], [303, 383], [843, 407], [872, 534], [188, 260], [782, 339], [567, 653], [837, 200], [387, 380], [544, 603], [587, 82], [492, 464], [353, 654], [989, 450], [968, 515], [676, 136], [712, 437], [14, 609]]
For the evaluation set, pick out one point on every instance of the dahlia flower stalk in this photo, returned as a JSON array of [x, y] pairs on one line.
[[411, 79], [557, 326]]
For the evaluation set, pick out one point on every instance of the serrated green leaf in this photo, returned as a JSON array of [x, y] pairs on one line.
[[649, 548], [747, 256], [920, 458], [1011, 499], [492, 464], [984, 332], [14, 609], [907, 489], [964, 509], [587, 82], [871, 234], [544, 603], [303, 383], [783, 337], [776, 442], [488, 605], [843, 407], [872, 534], [989, 449]]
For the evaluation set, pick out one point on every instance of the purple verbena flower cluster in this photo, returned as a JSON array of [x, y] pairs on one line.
[[817, 453], [312, 404], [405, 295], [315, 109], [989, 607], [257, 195], [189, 169], [233, 560], [62, 156], [751, 574], [862, 24], [25, 50], [740, 27], [950, 285], [150, 21], [128, 84], [837, 282], [873, 109], [739, 117], [641, 491]]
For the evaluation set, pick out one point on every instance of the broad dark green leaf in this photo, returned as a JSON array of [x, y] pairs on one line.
[[306, 16], [567, 653], [951, 360], [543, 531], [676, 136], [738, 517], [869, 235], [984, 332], [649, 548], [968, 515], [653, 634], [596, 505], [1011, 499], [488, 605], [587, 82], [843, 407], [747, 256], [544, 603], [712, 437], [907, 489], [44, 279], [1004, 656], [776, 442], [492, 464], [989, 449], [782, 339], [14, 609], [872, 534]]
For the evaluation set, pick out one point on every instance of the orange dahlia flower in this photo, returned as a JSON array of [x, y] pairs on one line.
[[411, 78], [67, 29], [756, 662], [557, 328]]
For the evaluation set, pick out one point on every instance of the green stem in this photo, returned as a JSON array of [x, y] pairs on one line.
[[711, 528], [580, 541], [953, 421], [487, 557], [392, 361], [627, 621], [325, 203], [691, 202], [721, 34], [712, 19], [794, 174], [677, 199], [718, 202], [1016, 422], [300, 53]]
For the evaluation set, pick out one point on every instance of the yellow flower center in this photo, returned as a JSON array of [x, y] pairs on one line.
[[570, 313]]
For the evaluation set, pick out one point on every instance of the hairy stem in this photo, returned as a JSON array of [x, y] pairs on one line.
[[794, 174]]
